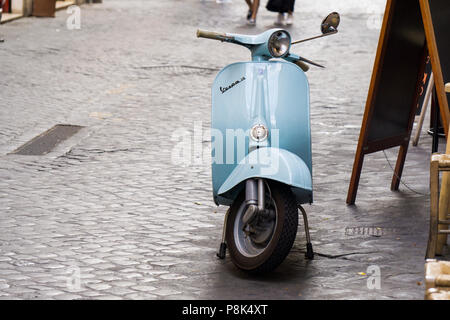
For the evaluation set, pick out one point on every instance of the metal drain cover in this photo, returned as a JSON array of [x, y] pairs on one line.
[[47, 140]]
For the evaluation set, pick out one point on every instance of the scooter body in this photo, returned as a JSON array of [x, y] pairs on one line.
[[261, 147], [272, 93]]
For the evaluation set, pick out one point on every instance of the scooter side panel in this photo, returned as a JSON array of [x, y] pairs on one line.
[[274, 93]]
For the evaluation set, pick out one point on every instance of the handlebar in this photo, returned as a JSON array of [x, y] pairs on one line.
[[213, 35], [247, 41]]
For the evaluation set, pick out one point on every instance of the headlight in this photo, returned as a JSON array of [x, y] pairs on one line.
[[279, 43], [259, 133]]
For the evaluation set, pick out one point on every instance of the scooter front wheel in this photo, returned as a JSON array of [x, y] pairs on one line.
[[263, 244]]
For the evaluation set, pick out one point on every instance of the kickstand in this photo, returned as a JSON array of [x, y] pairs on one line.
[[309, 249], [223, 245]]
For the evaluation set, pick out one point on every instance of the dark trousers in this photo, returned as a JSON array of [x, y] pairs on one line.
[[289, 5]]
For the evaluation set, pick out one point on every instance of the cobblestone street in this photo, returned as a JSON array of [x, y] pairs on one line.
[[108, 214]]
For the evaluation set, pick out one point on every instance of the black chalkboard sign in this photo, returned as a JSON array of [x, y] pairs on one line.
[[408, 35], [400, 67]]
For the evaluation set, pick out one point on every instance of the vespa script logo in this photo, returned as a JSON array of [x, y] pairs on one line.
[[223, 90]]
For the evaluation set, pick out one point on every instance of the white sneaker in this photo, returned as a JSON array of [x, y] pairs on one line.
[[251, 22], [290, 19], [280, 19]]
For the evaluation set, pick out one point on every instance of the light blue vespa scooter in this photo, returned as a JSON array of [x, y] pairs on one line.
[[261, 147]]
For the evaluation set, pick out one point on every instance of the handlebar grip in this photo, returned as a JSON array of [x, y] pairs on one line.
[[302, 65], [212, 35]]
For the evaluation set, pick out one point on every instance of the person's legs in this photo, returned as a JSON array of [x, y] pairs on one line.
[[290, 18], [255, 9], [291, 6], [280, 19], [250, 5], [252, 13], [290, 15]]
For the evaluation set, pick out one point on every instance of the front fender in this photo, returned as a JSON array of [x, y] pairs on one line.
[[273, 164]]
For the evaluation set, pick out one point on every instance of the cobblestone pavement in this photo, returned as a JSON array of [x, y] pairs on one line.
[[109, 215]]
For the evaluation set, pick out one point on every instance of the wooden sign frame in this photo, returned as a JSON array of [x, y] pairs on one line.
[[387, 60], [436, 62]]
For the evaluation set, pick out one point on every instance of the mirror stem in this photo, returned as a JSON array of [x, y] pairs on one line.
[[321, 36]]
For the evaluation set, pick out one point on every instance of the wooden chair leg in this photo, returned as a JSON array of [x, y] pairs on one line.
[[444, 205], [434, 207]]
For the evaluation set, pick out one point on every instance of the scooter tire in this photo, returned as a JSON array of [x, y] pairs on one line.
[[283, 236]]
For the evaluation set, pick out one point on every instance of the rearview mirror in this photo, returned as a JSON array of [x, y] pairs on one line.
[[330, 23], [329, 27]]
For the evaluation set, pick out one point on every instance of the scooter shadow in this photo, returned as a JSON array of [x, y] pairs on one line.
[[295, 266], [288, 281]]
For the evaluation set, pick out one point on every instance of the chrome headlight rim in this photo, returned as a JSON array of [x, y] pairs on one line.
[[259, 133], [277, 36]]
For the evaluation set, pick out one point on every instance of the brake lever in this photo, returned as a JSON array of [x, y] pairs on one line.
[[302, 65], [300, 61], [311, 62]]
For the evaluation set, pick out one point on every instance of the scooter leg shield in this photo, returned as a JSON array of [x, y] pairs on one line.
[[272, 164]]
